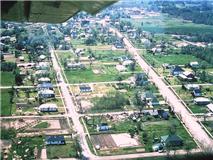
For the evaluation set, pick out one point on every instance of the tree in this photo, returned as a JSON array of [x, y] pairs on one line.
[[132, 133], [132, 66], [2, 57]]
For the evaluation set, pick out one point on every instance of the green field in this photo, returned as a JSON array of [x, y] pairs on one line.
[[6, 104], [87, 75], [166, 24], [209, 126], [176, 59], [42, 125], [7, 79], [61, 151]]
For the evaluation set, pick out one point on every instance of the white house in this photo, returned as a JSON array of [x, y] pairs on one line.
[[43, 79], [47, 93], [202, 101], [194, 64], [127, 62], [48, 107]]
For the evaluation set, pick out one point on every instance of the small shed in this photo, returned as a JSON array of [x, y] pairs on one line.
[[103, 127], [85, 88]]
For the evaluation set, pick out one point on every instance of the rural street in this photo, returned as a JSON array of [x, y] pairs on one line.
[[190, 121]]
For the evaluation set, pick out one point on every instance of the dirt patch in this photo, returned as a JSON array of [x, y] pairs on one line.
[[124, 140], [105, 141]]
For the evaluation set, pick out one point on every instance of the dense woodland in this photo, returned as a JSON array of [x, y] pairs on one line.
[[200, 12]]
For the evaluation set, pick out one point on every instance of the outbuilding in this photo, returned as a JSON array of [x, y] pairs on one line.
[[55, 140]]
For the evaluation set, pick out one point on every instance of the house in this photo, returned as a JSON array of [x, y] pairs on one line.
[[194, 64], [46, 93], [149, 98], [171, 140], [191, 87], [210, 107], [153, 113], [21, 58], [41, 73], [197, 93], [42, 66], [202, 101], [140, 79], [127, 62], [44, 80], [121, 68], [26, 65], [42, 57], [45, 85], [176, 70], [123, 58], [48, 107], [75, 65], [55, 140], [186, 75], [103, 127], [85, 88]]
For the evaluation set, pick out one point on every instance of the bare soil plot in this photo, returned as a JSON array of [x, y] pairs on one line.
[[105, 141], [124, 140]]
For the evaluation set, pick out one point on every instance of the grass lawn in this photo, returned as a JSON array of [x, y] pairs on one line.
[[176, 59], [198, 109], [166, 24], [87, 75], [7, 79], [61, 151], [162, 128], [42, 125], [209, 126], [6, 105]]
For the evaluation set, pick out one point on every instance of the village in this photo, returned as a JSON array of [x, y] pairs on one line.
[[116, 101]]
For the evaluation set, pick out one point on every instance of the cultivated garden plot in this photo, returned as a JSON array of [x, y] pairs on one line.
[[97, 66], [134, 132], [117, 97], [27, 102]]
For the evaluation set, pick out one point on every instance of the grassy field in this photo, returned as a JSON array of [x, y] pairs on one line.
[[6, 105], [197, 109], [87, 75], [209, 126], [7, 79], [176, 59], [42, 125], [61, 151], [166, 24]]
